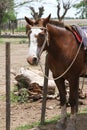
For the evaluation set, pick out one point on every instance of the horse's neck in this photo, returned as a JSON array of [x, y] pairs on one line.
[[53, 49], [58, 40]]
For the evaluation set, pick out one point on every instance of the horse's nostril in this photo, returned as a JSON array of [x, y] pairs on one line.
[[32, 61], [35, 60]]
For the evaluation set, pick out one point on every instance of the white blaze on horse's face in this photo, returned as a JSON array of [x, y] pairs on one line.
[[33, 47]]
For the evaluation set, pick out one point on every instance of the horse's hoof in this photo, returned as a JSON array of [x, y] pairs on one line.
[[60, 126], [71, 124]]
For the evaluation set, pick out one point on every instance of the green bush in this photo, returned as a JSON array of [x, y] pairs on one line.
[[21, 29], [21, 96]]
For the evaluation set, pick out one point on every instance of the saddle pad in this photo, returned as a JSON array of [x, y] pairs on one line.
[[77, 36], [73, 29], [79, 33]]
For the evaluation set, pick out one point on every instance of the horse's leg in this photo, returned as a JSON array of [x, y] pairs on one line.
[[74, 85], [62, 92]]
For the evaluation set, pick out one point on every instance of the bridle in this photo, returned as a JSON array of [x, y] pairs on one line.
[[46, 42]]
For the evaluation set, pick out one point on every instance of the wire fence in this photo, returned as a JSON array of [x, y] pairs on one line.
[[13, 57], [5, 75]]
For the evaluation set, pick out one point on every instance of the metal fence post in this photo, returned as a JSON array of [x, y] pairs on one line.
[[44, 92], [7, 86]]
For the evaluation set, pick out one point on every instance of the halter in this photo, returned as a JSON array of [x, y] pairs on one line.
[[44, 43], [45, 40]]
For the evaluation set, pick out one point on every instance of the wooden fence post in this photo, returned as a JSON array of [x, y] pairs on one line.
[[77, 98], [44, 92], [7, 86]]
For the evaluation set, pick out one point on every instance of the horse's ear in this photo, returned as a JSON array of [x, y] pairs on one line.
[[46, 20], [29, 21]]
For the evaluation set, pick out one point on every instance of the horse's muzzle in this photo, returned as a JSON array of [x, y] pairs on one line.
[[32, 61]]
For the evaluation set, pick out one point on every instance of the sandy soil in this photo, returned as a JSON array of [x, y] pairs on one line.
[[26, 113]]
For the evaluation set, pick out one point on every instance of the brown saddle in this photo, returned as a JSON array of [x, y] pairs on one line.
[[74, 30], [80, 36], [79, 33]]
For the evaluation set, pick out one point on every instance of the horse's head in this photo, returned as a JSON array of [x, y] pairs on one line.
[[37, 33]]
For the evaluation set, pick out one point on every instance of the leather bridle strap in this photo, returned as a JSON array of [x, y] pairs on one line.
[[44, 44]]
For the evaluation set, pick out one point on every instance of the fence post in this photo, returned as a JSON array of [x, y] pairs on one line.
[[44, 92], [7, 86], [77, 98]]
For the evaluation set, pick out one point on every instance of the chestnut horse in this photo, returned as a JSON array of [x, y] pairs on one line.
[[62, 49]]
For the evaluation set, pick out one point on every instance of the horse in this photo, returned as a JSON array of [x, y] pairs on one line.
[[65, 58]]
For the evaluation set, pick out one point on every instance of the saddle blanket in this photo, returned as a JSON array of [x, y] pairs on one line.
[[82, 32]]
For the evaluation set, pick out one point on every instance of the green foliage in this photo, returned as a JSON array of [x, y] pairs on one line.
[[53, 120], [27, 127], [34, 124], [82, 8], [20, 97], [7, 10], [23, 96], [13, 98], [21, 29], [14, 40], [8, 16], [84, 110], [23, 41]]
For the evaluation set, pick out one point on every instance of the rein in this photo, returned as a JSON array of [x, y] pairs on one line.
[[46, 41]]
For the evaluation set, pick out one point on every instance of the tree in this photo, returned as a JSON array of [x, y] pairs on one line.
[[6, 10], [82, 9], [66, 6], [37, 15]]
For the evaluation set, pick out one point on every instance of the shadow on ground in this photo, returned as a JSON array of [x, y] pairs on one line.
[[81, 124]]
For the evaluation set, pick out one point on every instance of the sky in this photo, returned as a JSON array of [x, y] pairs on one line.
[[49, 6]]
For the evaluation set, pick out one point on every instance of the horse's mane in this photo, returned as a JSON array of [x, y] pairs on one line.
[[57, 23], [53, 22]]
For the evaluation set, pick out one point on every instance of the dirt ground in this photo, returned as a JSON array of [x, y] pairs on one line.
[[27, 113]]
